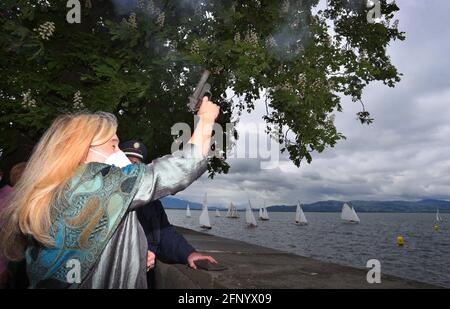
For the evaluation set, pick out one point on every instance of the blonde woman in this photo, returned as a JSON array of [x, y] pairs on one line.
[[71, 214]]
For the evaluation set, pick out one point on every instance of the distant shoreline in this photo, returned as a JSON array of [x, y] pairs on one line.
[[315, 211], [422, 206]]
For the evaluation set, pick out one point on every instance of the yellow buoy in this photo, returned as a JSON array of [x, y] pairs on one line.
[[400, 241], [436, 227]]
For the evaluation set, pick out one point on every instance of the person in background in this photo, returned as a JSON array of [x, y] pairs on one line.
[[14, 176], [163, 240], [4, 193]]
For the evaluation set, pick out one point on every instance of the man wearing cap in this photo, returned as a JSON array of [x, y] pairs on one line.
[[162, 238]]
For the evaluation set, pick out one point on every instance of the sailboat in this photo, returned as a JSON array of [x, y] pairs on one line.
[[300, 218], [249, 217], [232, 212], [204, 216], [263, 215], [438, 216], [266, 214], [188, 211], [438, 219], [348, 214], [217, 213]]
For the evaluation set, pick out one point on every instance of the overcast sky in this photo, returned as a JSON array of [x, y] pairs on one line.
[[405, 154]]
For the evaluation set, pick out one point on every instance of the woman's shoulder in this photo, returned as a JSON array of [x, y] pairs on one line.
[[95, 173], [94, 168]]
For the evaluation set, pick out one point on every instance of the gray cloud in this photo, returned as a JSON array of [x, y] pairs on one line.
[[405, 154]]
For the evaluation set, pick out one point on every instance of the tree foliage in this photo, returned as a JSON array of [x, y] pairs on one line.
[[141, 60]]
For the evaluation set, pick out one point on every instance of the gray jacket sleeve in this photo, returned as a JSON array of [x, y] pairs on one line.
[[170, 174]]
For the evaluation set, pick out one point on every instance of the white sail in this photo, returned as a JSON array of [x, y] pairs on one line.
[[349, 214], [217, 213], [265, 214], [300, 216], [438, 216], [188, 211], [355, 216], [232, 211], [249, 217], [204, 216]]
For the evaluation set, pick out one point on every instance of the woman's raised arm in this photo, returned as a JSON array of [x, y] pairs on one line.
[[173, 173]]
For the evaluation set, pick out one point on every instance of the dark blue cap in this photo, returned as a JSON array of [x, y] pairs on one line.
[[134, 148]]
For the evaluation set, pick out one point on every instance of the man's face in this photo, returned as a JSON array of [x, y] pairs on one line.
[[134, 160]]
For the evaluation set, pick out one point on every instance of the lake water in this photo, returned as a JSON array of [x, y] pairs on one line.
[[424, 257]]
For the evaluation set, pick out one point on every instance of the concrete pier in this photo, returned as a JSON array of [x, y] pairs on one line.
[[255, 267]]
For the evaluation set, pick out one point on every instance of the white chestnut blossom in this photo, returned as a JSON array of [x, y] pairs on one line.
[[46, 30], [160, 19], [27, 100], [251, 37], [78, 100]]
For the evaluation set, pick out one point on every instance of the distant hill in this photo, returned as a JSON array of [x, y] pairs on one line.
[[425, 205], [174, 203]]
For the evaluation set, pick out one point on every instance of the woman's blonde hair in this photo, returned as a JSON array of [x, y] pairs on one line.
[[61, 150]]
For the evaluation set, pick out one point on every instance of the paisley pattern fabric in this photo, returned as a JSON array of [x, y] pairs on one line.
[[92, 205]]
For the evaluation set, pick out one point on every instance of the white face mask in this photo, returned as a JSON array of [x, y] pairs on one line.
[[117, 158]]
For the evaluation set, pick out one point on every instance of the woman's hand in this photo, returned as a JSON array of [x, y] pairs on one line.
[[201, 137], [208, 111]]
